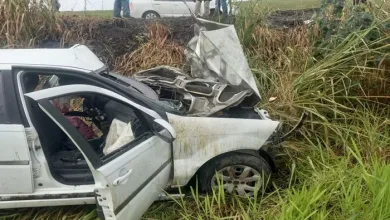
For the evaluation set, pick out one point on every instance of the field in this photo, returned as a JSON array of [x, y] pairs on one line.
[[337, 69], [271, 4]]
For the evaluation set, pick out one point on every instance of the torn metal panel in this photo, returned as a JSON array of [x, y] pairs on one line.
[[220, 75], [198, 97], [215, 53]]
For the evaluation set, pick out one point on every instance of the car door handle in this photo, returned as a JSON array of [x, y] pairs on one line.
[[122, 179], [156, 4]]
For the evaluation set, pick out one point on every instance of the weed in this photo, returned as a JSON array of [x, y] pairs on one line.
[[158, 50], [23, 22]]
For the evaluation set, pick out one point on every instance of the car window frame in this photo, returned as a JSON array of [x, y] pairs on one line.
[[10, 99], [128, 146], [100, 81], [70, 130], [4, 118]]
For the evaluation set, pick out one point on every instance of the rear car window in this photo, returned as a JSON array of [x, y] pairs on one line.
[[3, 112]]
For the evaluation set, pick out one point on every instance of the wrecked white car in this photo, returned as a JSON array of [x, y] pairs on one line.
[[73, 133]]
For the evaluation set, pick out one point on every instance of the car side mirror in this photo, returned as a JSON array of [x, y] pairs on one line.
[[164, 130]]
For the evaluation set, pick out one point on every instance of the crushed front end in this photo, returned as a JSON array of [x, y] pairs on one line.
[[220, 83]]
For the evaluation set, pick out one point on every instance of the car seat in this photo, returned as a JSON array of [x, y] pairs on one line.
[[68, 165]]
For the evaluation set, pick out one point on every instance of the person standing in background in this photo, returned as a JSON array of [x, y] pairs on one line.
[[223, 4], [121, 5], [56, 5], [206, 6]]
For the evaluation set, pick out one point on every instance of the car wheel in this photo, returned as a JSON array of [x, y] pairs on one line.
[[240, 174], [150, 15]]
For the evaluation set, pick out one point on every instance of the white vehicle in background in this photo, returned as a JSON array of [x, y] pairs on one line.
[[164, 8], [142, 8]]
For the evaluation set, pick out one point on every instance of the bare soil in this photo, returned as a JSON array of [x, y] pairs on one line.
[[113, 38]]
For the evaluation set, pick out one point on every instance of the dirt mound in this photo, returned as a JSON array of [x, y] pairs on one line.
[[113, 38], [158, 50]]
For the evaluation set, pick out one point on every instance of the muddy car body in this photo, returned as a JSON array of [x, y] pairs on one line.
[[142, 144]]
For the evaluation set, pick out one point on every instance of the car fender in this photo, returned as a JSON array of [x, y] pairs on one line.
[[199, 139]]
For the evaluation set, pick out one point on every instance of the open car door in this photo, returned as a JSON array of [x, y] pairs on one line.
[[127, 180]]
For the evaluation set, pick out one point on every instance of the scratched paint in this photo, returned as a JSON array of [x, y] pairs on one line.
[[200, 139]]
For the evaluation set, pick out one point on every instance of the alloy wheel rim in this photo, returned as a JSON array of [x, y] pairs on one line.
[[238, 179], [150, 16]]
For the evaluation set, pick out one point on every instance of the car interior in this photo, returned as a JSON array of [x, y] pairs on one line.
[[94, 114]]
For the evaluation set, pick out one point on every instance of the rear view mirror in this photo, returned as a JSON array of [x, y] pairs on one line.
[[164, 130]]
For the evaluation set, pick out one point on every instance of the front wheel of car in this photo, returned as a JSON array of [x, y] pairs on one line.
[[150, 15], [240, 174]]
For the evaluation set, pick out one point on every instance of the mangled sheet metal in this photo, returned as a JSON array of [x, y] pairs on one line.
[[215, 53], [220, 76], [195, 96]]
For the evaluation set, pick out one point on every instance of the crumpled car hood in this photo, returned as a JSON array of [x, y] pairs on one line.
[[220, 76], [215, 53]]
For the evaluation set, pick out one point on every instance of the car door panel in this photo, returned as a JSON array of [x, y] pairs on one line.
[[180, 9], [16, 176], [153, 187], [15, 162], [126, 185], [143, 163], [163, 7]]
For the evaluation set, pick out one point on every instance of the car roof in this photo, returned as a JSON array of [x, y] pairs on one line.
[[77, 57]]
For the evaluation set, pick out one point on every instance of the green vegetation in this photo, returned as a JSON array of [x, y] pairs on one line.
[[337, 168], [290, 4], [100, 14]]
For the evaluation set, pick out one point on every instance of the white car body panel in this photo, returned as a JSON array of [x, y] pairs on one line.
[[18, 204], [141, 162], [170, 8], [15, 162], [77, 57], [200, 139], [150, 193], [90, 5], [165, 8]]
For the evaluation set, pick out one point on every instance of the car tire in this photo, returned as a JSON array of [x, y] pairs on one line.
[[240, 174], [150, 15]]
